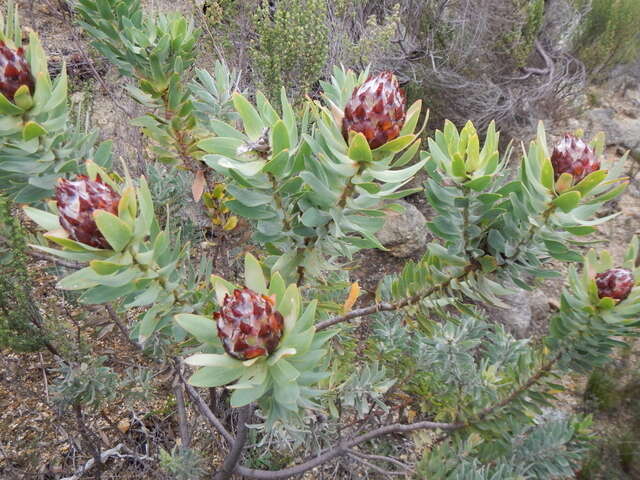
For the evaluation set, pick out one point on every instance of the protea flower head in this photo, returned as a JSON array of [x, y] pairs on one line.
[[572, 155], [376, 109], [77, 200], [248, 324], [615, 283], [14, 71]]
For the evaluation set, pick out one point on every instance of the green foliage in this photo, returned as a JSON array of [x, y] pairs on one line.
[[519, 43], [291, 49], [549, 448], [283, 383], [600, 391], [609, 34], [89, 383], [20, 317], [298, 188], [156, 51], [182, 463], [39, 143], [375, 44], [315, 198]]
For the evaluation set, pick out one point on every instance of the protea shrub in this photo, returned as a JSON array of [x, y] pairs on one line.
[[376, 109], [77, 200], [14, 71], [248, 324], [615, 283], [572, 155]]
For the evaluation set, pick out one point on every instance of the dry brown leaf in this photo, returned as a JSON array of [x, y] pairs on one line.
[[197, 188], [354, 292], [124, 425]]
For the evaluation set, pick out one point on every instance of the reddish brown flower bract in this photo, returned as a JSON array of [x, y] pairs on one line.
[[572, 155], [77, 200], [248, 324], [615, 283], [14, 71], [376, 109]]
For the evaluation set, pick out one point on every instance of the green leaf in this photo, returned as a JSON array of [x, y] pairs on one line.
[[115, 231], [215, 376], [279, 137], [22, 98], [396, 145], [359, 150], [245, 396], [277, 286], [546, 176], [564, 182], [610, 195], [104, 294], [567, 201], [80, 280], [253, 124], [253, 275], [203, 328], [226, 146], [581, 230], [46, 220], [146, 203], [72, 245], [397, 176], [480, 183], [103, 267], [284, 372], [315, 218], [32, 130], [590, 182], [8, 108], [150, 322], [458, 167], [221, 287], [213, 360]]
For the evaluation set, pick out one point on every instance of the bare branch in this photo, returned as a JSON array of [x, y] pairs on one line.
[[233, 457], [343, 449], [205, 411], [182, 412], [107, 454]]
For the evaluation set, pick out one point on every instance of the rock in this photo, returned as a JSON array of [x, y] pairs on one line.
[[620, 130], [404, 234], [517, 318], [527, 314]]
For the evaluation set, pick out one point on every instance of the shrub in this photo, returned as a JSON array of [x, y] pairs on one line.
[[609, 34], [291, 45], [278, 337], [21, 323]]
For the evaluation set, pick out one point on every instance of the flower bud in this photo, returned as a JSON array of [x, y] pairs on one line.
[[376, 109], [571, 155], [615, 283], [248, 324], [14, 71], [77, 200]]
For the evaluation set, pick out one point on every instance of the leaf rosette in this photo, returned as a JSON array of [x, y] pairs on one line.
[[282, 382]]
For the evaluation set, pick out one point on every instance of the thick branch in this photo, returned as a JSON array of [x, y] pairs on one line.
[[344, 448], [230, 463], [205, 411], [182, 412]]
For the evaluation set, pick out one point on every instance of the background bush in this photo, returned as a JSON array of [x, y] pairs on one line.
[[608, 35]]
